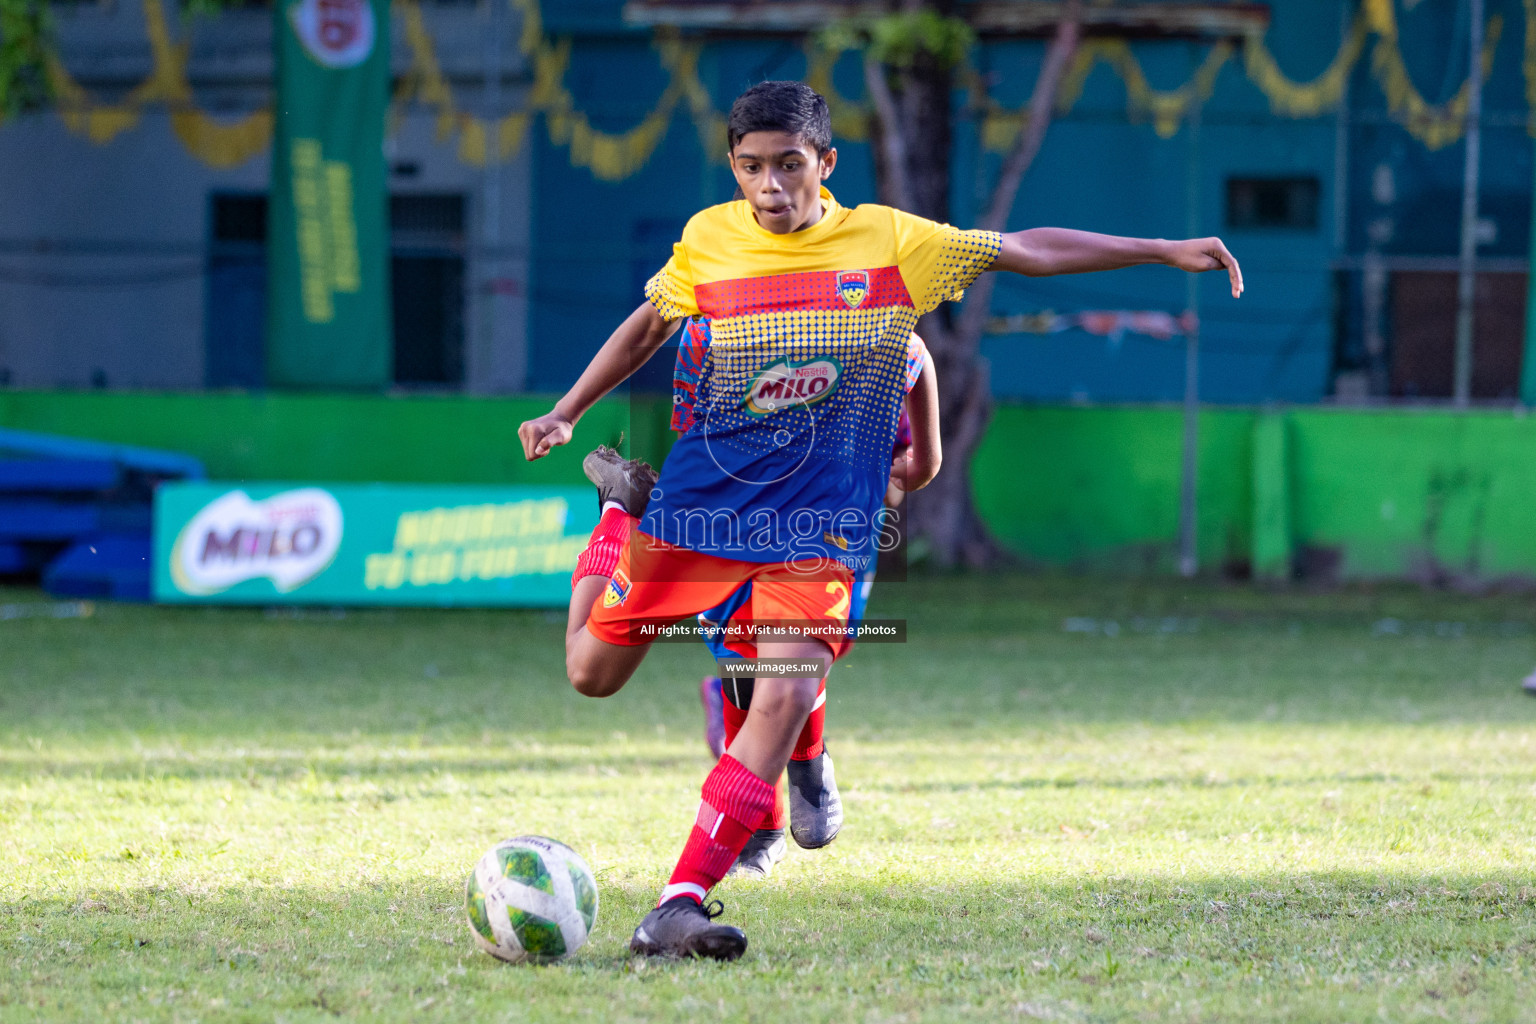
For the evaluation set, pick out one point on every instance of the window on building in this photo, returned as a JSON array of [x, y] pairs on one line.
[[1422, 334], [1273, 203], [234, 333], [427, 285]]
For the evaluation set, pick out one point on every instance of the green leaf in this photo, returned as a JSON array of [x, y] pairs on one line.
[[898, 40]]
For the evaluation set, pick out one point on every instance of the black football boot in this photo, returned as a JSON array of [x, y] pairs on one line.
[[681, 928]]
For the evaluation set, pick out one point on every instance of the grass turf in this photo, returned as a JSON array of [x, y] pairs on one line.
[[1067, 800]]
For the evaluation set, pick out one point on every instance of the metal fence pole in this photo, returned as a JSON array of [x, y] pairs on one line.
[[1189, 556], [487, 267], [1466, 284]]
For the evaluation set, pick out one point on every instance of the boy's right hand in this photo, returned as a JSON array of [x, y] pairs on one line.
[[913, 470], [540, 435]]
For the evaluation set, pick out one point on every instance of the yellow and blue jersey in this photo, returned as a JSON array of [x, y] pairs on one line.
[[797, 378]]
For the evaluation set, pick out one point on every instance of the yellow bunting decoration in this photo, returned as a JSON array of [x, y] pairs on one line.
[[850, 120], [609, 156], [215, 143], [1435, 125], [612, 156], [1305, 99], [1167, 109]]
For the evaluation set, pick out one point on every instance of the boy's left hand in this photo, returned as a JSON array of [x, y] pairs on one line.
[[1198, 255]]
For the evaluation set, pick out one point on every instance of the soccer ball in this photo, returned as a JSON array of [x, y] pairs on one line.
[[530, 898]]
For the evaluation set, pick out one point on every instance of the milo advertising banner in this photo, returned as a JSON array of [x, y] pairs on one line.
[[328, 311], [368, 544]]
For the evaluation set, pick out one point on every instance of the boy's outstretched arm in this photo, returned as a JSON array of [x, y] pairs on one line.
[[625, 351], [1041, 252]]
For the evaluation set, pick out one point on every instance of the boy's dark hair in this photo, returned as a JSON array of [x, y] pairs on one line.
[[790, 107]]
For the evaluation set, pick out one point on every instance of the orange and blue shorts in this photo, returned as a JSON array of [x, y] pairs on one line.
[[657, 585]]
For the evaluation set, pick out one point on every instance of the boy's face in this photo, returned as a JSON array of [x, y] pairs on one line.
[[781, 176]]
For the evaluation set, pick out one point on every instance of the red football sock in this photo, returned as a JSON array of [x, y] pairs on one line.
[[778, 816], [602, 551], [735, 803], [734, 717], [808, 746]]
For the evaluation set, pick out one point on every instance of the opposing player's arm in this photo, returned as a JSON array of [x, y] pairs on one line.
[[625, 351], [1042, 252], [920, 464]]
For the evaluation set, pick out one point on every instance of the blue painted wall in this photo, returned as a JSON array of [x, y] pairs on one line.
[[594, 242]]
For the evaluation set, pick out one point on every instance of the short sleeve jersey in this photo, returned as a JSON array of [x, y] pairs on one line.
[[797, 386]]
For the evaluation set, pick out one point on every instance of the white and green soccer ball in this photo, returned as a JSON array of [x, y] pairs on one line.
[[530, 899]]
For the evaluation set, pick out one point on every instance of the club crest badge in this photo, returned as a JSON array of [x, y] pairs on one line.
[[618, 589], [853, 286]]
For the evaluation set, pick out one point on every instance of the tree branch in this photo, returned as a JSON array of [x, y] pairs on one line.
[[1041, 104], [891, 139]]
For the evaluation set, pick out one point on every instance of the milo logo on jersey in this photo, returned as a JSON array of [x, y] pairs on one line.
[[787, 383]]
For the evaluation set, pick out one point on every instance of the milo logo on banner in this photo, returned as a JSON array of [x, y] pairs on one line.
[[337, 33], [290, 538]]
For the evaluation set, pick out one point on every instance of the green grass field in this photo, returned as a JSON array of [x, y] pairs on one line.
[[1067, 800]]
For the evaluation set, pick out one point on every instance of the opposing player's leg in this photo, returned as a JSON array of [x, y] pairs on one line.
[[763, 851], [714, 715], [737, 796], [815, 806]]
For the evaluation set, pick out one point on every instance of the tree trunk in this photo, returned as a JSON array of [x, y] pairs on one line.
[[912, 168], [943, 514], [911, 137]]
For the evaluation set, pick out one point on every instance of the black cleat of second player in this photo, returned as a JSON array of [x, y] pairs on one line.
[[815, 808], [765, 848]]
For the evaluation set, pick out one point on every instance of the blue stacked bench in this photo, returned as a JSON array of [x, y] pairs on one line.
[[105, 565], [79, 513]]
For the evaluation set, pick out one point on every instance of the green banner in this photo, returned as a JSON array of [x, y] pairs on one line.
[[368, 544], [328, 310]]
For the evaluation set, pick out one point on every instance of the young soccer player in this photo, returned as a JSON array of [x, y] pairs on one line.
[[814, 813], [811, 306]]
